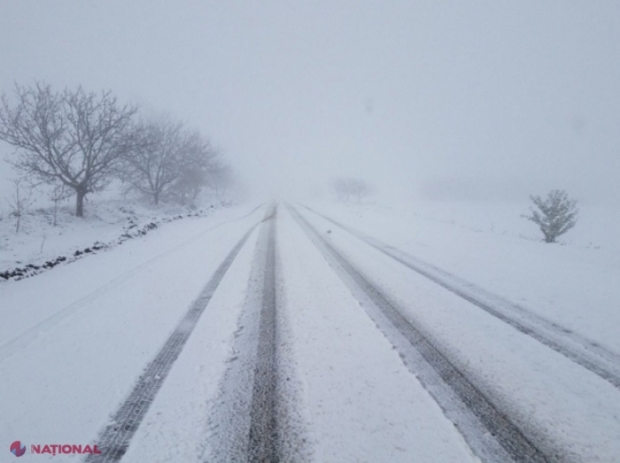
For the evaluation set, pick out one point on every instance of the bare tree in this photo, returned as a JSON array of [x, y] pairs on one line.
[[156, 162], [556, 214], [340, 188], [360, 189], [70, 137], [19, 202], [345, 188], [168, 162], [220, 179], [197, 161]]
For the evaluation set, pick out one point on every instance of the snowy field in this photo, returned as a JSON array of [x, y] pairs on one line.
[[76, 339], [574, 282]]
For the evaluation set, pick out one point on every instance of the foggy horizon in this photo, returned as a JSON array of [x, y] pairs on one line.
[[458, 100]]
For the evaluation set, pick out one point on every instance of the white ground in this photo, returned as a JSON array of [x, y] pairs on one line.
[[576, 283], [74, 339], [572, 410], [105, 221]]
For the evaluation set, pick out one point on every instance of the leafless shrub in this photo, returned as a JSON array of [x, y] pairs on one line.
[[19, 202], [57, 194]]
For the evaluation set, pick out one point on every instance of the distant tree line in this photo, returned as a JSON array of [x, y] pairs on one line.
[[346, 189], [77, 142]]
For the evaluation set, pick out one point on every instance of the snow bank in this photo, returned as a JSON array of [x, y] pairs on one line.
[[40, 245]]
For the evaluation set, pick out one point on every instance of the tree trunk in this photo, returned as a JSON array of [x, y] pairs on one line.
[[79, 205], [55, 211]]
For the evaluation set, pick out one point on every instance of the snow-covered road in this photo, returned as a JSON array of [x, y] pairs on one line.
[[280, 334]]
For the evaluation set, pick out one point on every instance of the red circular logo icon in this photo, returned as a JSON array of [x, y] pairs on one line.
[[17, 448]]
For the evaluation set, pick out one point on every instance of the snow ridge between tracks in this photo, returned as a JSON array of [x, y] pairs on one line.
[[252, 420]]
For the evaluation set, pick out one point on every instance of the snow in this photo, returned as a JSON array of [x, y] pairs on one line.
[[105, 222], [75, 339], [568, 410], [351, 376], [575, 284], [177, 423]]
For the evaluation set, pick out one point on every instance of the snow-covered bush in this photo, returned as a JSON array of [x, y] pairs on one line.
[[555, 215]]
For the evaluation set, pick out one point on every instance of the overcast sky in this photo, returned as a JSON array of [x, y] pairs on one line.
[[468, 98]]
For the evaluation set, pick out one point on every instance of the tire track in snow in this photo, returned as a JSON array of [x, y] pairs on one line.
[[263, 445], [244, 421], [489, 432], [116, 437], [582, 351]]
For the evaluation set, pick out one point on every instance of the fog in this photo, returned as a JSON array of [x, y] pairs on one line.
[[452, 99]]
